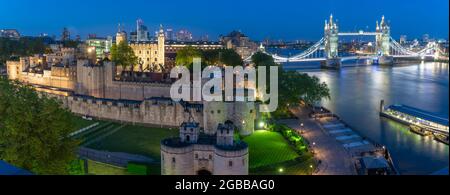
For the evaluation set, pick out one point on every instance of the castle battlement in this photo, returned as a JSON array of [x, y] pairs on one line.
[[194, 153]]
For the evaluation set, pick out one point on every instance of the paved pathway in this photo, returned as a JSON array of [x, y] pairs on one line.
[[335, 160]]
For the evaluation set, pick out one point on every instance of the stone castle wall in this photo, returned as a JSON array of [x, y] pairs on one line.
[[191, 159], [231, 162], [155, 112], [98, 81]]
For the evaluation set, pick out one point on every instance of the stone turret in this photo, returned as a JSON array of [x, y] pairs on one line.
[[161, 46], [189, 132], [225, 134], [121, 36]]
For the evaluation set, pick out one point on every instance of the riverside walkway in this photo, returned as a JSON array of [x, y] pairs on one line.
[[334, 158]]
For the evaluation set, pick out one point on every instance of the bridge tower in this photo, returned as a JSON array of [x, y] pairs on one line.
[[383, 38], [331, 39], [332, 44]]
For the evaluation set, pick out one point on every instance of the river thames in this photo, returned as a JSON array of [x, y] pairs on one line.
[[356, 94]]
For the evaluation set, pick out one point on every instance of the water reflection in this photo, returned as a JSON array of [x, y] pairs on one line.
[[356, 95]]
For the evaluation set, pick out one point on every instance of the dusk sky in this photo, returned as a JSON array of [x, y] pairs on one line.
[[275, 19]]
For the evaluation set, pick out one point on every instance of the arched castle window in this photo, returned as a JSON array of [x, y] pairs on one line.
[[230, 163], [196, 156], [212, 111], [251, 111], [188, 138], [218, 111], [173, 160]]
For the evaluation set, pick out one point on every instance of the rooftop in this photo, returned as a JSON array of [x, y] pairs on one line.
[[420, 114], [204, 140], [7, 169]]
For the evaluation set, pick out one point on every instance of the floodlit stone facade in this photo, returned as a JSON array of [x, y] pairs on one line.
[[90, 89], [196, 153]]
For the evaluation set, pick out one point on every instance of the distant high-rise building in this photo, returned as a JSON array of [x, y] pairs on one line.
[[184, 35], [10, 33], [205, 38], [102, 45], [169, 34], [142, 33], [65, 34], [426, 38], [403, 39]]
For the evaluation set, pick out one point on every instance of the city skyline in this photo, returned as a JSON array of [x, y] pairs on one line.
[[299, 20]]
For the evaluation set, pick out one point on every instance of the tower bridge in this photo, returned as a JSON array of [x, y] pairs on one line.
[[386, 48]]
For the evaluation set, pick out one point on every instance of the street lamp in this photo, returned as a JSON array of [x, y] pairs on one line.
[[262, 124]]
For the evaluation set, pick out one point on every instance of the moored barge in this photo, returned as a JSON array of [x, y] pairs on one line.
[[420, 122]]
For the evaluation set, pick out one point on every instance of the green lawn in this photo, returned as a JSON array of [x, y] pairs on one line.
[[96, 168], [301, 166], [80, 123], [136, 140], [268, 148]]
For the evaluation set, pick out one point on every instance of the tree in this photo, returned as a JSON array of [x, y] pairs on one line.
[[25, 46], [293, 86], [123, 55], [185, 56], [34, 130], [229, 57]]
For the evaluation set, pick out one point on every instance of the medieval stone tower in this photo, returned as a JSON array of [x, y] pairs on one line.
[[214, 113], [90, 79], [121, 35], [242, 114], [194, 153], [161, 46]]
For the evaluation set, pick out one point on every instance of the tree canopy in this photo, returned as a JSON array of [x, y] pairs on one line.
[[34, 130], [123, 55], [25, 46], [227, 57], [293, 86]]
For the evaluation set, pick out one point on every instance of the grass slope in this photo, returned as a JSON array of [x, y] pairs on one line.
[[136, 140], [267, 148]]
